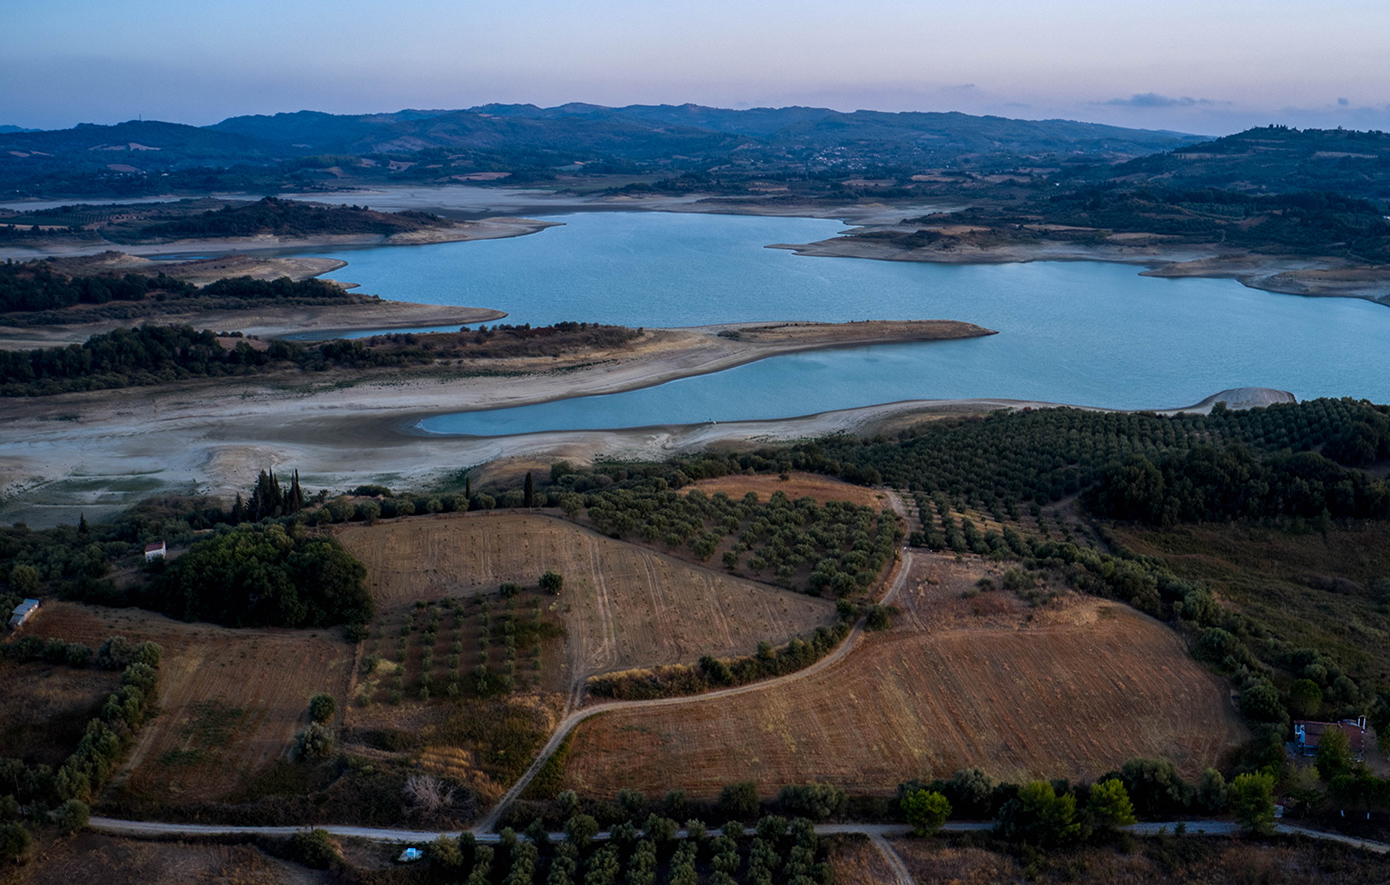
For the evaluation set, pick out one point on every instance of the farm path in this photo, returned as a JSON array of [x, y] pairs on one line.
[[897, 579], [896, 863]]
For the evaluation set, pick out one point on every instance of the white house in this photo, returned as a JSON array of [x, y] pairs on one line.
[[23, 612], [155, 551]]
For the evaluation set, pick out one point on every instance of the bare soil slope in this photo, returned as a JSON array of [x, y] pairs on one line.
[[230, 701], [1069, 689], [624, 606], [797, 485]]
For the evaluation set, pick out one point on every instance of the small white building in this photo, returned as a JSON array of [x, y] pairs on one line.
[[155, 551], [23, 612]]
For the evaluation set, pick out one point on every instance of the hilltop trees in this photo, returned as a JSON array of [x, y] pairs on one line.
[[257, 575]]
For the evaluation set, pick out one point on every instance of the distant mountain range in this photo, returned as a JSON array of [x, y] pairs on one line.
[[699, 147]]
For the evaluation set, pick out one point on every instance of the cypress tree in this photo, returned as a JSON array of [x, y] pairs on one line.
[[529, 491]]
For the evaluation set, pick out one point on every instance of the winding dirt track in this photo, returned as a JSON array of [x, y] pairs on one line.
[[567, 725]]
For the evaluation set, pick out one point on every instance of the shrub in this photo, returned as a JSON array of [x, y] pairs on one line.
[[322, 707], [71, 816], [14, 842], [552, 583], [817, 802], [313, 848], [739, 801], [314, 742]]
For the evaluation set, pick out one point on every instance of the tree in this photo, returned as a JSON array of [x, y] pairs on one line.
[[739, 801], [1038, 816], [1252, 801], [1261, 702], [322, 707], [71, 816], [314, 742], [1211, 791], [1334, 753], [24, 580], [552, 583], [1305, 698], [1110, 806], [14, 841], [580, 830], [1154, 786], [528, 491], [313, 848], [926, 811]]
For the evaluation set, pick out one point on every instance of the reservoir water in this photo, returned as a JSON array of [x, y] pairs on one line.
[[1079, 332]]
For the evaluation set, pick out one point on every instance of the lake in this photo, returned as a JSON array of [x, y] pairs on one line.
[[1077, 332]]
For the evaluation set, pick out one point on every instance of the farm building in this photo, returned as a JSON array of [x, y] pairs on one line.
[[1307, 736], [23, 612], [155, 551]]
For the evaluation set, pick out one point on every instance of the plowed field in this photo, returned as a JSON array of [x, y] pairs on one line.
[[1069, 689], [230, 701], [797, 485], [624, 606]]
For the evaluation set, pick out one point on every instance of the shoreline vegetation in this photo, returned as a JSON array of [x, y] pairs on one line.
[[210, 223]]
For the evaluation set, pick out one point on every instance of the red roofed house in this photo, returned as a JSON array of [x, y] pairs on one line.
[[155, 551], [1307, 736]]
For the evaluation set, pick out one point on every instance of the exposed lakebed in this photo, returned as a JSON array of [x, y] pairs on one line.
[[1081, 332]]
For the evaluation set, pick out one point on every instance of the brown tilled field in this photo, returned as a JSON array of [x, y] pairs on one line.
[[1071, 688], [45, 707], [797, 485], [623, 605], [230, 701]]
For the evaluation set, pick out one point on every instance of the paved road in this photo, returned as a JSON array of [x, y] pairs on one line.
[[873, 831], [568, 724]]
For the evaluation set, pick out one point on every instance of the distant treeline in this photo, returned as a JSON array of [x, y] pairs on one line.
[[290, 218], [1207, 484], [1310, 222], [154, 354], [36, 286], [130, 357]]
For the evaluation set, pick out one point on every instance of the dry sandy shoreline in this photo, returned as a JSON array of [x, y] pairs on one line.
[[1312, 276], [493, 228], [97, 451]]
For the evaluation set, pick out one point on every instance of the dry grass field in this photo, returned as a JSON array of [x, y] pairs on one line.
[[1194, 861], [1070, 688], [44, 708], [230, 701], [623, 605], [89, 857], [797, 485]]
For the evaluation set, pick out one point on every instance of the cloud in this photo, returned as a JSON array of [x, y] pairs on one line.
[[1154, 100]]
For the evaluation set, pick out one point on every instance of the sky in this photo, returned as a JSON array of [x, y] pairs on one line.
[[1210, 67]]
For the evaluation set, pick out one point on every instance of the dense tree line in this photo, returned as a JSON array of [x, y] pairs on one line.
[[37, 787], [640, 852], [155, 354], [1207, 484], [292, 218], [128, 357], [264, 575], [37, 286]]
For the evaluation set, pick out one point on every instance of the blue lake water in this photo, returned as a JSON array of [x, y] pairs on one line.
[[1076, 332]]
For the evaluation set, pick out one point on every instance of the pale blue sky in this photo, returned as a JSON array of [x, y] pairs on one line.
[[1212, 66]]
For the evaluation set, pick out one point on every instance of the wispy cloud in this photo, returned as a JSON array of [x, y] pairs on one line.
[[1155, 100]]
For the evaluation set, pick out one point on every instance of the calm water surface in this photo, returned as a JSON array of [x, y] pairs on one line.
[[1080, 332]]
